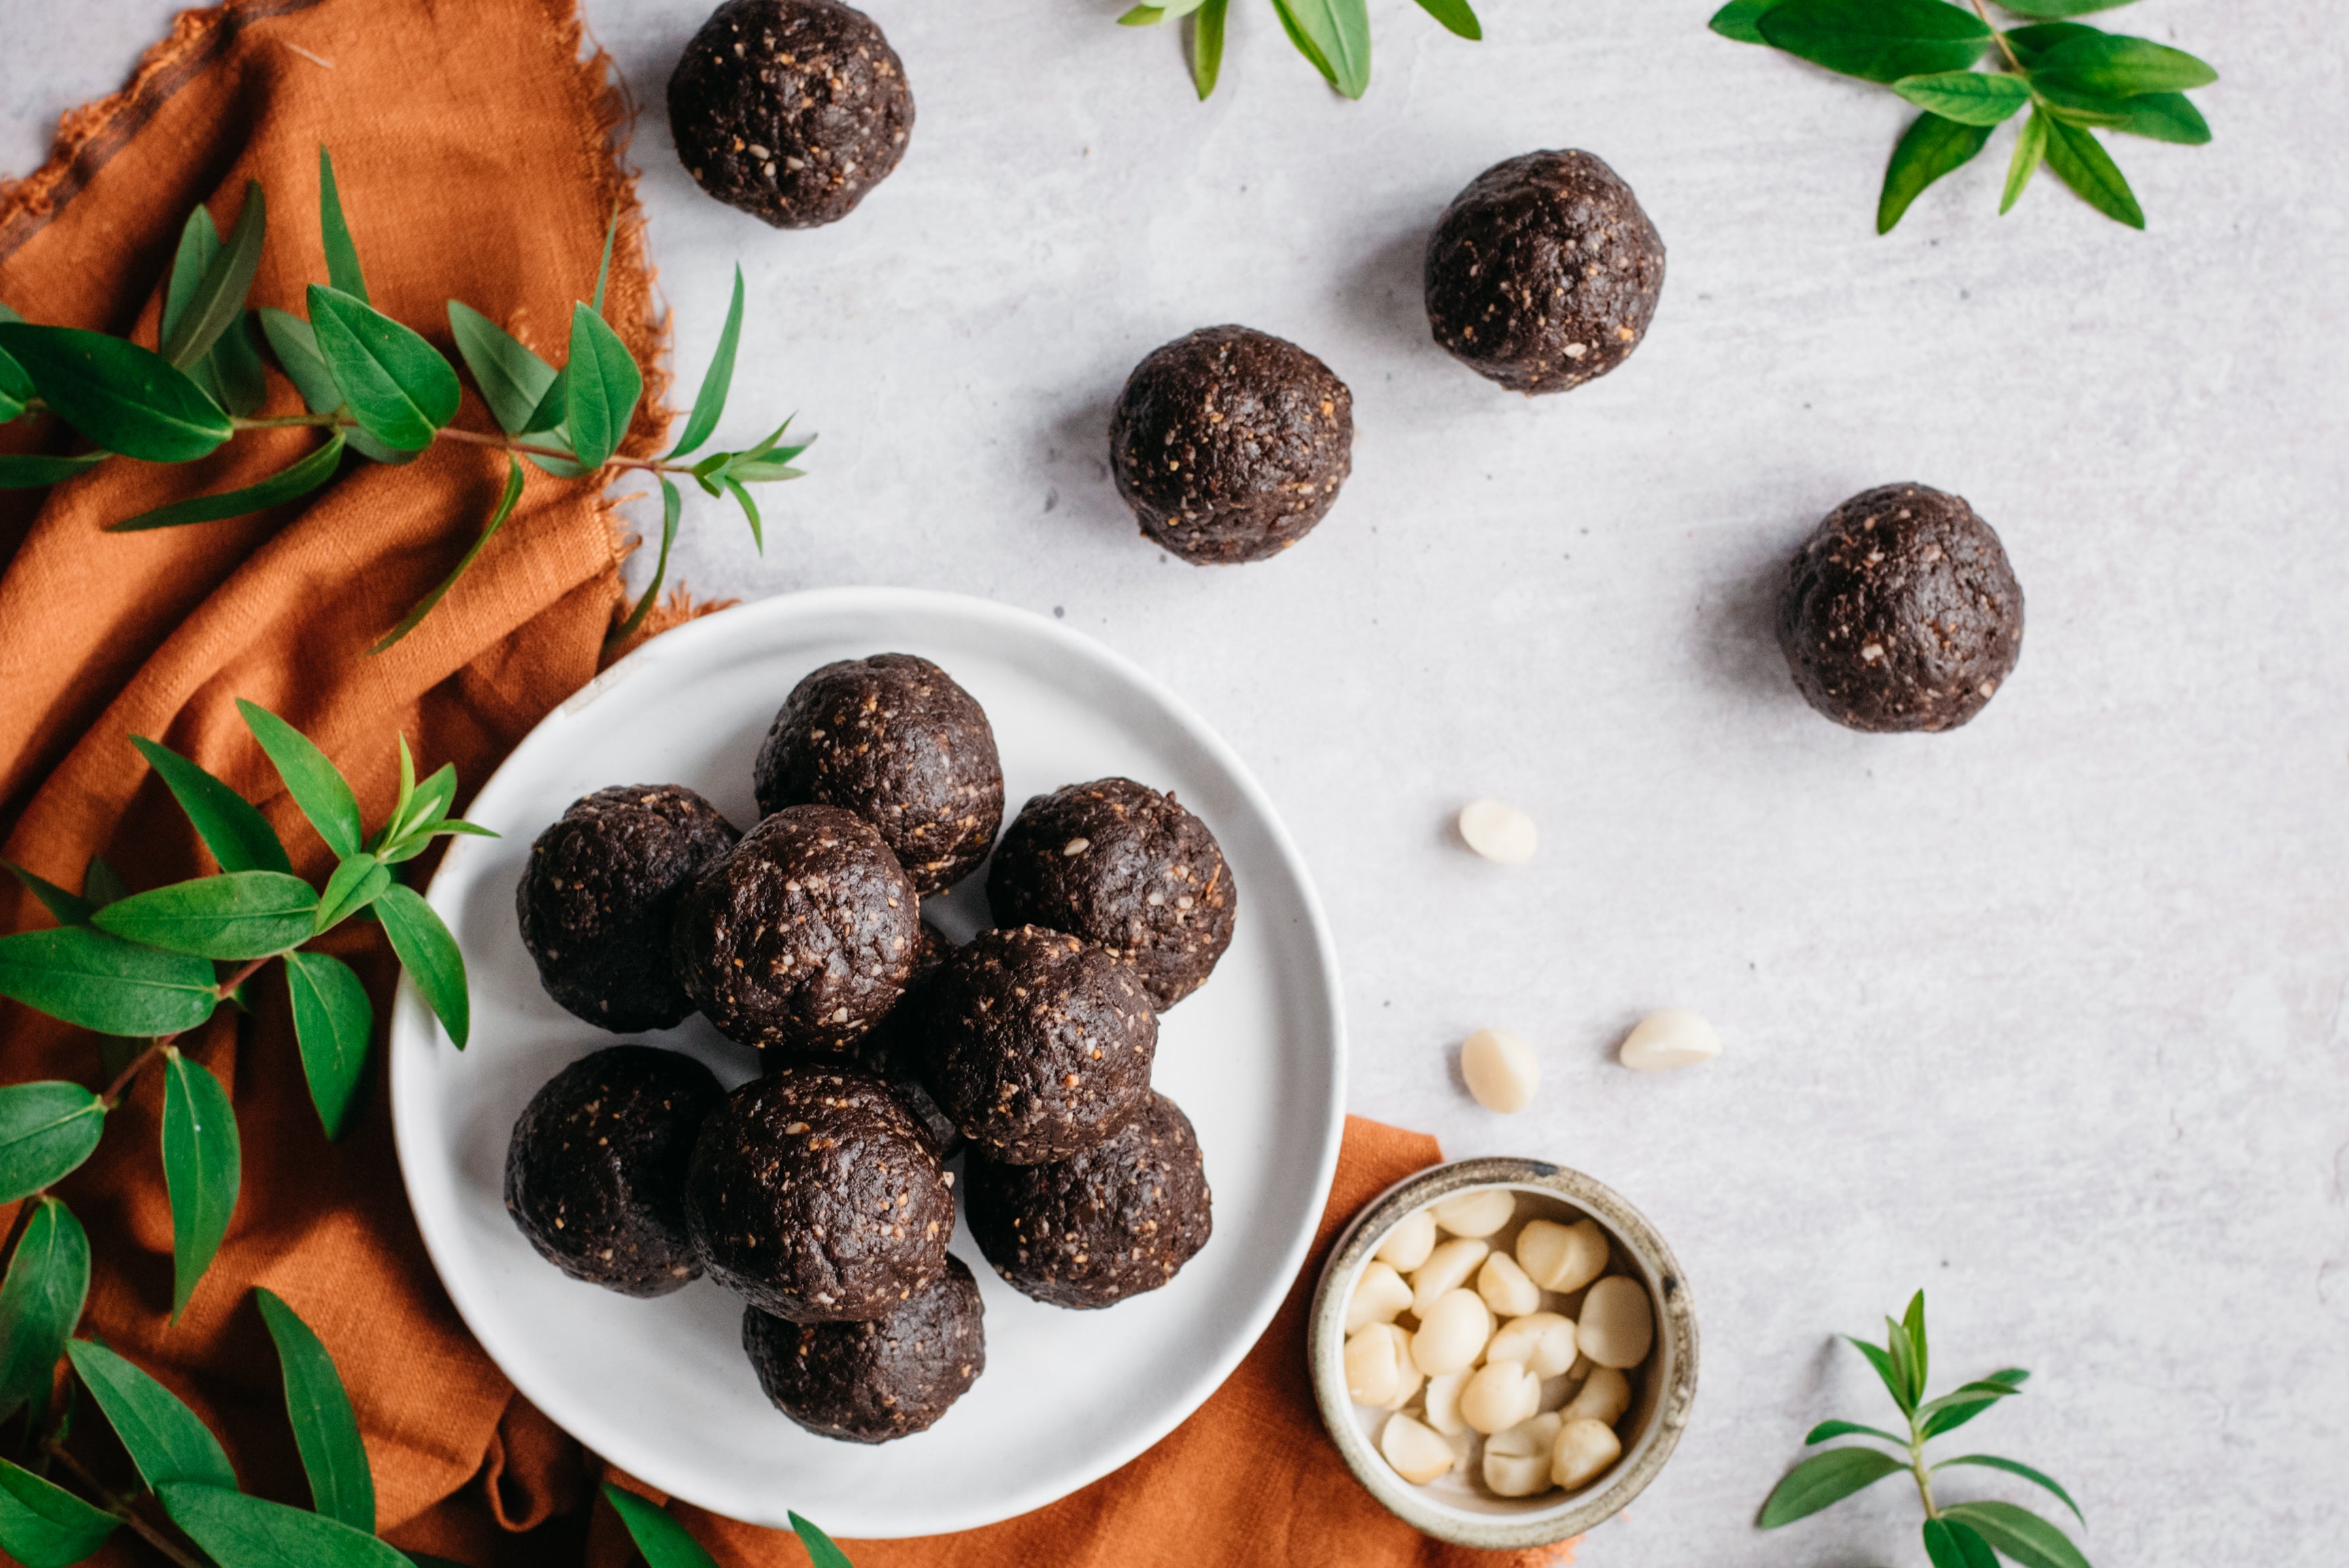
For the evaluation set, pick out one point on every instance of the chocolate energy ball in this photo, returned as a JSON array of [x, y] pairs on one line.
[[1544, 272], [804, 936], [891, 1049], [885, 1378], [1039, 1043], [1230, 444], [1901, 612], [1116, 862], [1090, 1229], [813, 1196], [598, 899], [595, 1173], [894, 739], [789, 109]]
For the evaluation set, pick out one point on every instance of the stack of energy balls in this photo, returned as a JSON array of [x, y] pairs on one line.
[[821, 1192]]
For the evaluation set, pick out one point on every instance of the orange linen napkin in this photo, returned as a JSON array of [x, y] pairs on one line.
[[475, 150]]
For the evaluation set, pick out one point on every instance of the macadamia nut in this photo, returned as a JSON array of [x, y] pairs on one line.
[[1584, 1450], [1446, 1268], [1478, 1214], [1443, 1402], [1617, 1329], [1376, 1360], [1498, 831], [1517, 1463], [1506, 1288], [1378, 1296], [1408, 1244], [1500, 1069], [1604, 1396], [1673, 1037], [1501, 1395], [1451, 1333], [1563, 1258], [1418, 1454], [1544, 1341]]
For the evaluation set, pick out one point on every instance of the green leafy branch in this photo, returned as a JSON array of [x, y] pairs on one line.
[[2072, 79], [1334, 34], [666, 1544], [154, 965], [1957, 1535], [372, 385]]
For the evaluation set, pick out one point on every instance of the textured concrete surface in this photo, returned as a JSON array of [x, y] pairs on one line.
[[2046, 1016]]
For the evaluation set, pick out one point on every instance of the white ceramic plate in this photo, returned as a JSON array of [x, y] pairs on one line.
[[1256, 1056]]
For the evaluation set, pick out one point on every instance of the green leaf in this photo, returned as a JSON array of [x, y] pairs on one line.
[[332, 1023], [672, 503], [1970, 98], [99, 884], [68, 908], [165, 1440], [2165, 117], [325, 1430], [1207, 46], [236, 366], [240, 1532], [430, 955], [2019, 1533], [548, 415], [238, 836], [287, 484], [1741, 20], [1884, 1370], [750, 510], [46, 1129], [199, 245], [604, 387], [1932, 148], [1973, 1552], [1339, 31], [216, 301], [342, 256], [16, 388], [296, 347], [355, 883], [604, 267], [1827, 1430], [822, 1553], [430, 802], [40, 1302], [315, 784], [1904, 1361], [2080, 161], [236, 915], [2030, 152], [1876, 40], [2015, 1467], [1143, 16], [1456, 17], [1912, 1324], [42, 1525], [423, 607], [31, 471], [710, 402], [2121, 67], [660, 1538], [200, 1160], [2059, 7], [764, 473], [1823, 1481], [1305, 46], [126, 398], [398, 388], [2033, 44], [94, 981], [1941, 1548], [511, 378]]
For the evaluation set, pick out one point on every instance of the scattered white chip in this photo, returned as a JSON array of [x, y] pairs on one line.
[[1674, 1037], [1498, 832]]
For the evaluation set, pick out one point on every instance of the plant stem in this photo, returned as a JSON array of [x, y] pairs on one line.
[[1916, 1468], [122, 1508], [469, 438], [224, 990], [2014, 62]]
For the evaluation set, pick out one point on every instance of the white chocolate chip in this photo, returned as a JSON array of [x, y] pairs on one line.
[[1500, 1068], [1378, 1295], [1408, 1244], [1604, 1396], [1517, 1463], [1374, 1362], [1451, 1333], [1544, 1341], [1443, 1402], [1498, 832], [1563, 1258], [1418, 1454], [1501, 1395], [1477, 1213], [1674, 1037], [1584, 1450], [1617, 1329], [1506, 1288], [1446, 1268]]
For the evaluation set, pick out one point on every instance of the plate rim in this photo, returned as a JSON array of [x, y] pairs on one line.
[[414, 1029]]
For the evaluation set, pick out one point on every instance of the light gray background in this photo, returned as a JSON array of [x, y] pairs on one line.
[[2046, 1016]]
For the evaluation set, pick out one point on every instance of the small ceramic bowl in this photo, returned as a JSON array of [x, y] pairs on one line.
[[1457, 1508]]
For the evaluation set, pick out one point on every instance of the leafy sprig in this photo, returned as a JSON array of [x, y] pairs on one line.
[[2067, 79], [372, 385], [1333, 35], [1957, 1535]]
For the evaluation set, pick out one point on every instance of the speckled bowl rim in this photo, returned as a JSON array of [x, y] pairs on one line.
[[1676, 1338]]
